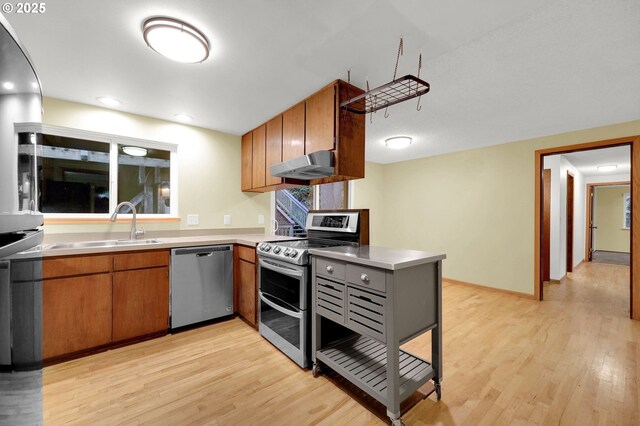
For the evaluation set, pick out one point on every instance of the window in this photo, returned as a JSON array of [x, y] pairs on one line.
[[292, 205], [626, 208], [145, 181], [82, 173], [74, 177]]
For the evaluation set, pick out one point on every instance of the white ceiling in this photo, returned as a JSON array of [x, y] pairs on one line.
[[500, 70], [587, 162]]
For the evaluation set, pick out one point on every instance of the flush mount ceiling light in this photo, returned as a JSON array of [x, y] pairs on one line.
[[8, 85], [176, 40], [183, 117], [607, 167], [398, 142], [135, 151], [109, 101]]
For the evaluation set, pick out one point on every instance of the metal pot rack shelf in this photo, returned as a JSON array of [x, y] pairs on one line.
[[399, 90]]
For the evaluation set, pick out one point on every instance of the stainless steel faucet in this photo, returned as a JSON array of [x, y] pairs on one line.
[[134, 230]]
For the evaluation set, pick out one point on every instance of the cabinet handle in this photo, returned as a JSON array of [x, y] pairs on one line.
[[364, 277], [329, 268]]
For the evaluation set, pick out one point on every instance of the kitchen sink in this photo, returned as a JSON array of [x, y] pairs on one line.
[[102, 243]]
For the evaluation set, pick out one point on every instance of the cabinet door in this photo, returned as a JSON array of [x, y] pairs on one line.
[[76, 314], [247, 291], [259, 160], [274, 149], [293, 132], [320, 120], [140, 302], [247, 161]]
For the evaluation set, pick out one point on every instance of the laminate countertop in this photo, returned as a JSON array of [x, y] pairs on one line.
[[379, 257], [49, 249]]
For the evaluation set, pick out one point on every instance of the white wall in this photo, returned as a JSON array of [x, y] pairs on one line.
[[559, 166], [623, 177]]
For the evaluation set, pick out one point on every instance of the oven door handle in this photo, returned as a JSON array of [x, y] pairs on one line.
[[280, 308], [277, 268]]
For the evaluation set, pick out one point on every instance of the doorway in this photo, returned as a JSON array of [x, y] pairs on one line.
[[569, 238], [634, 143], [610, 251]]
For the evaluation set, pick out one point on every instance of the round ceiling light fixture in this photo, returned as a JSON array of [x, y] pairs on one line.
[[398, 142], [109, 101], [185, 118], [135, 151], [607, 167], [175, 39]]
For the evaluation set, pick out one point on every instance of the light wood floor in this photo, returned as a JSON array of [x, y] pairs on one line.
[[573, 359]]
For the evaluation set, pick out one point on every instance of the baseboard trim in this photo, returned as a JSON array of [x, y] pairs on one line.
[[611, 251], [484, 287]]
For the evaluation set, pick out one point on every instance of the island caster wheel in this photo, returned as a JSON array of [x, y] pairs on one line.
[[438, 387], [398, 422], [315, 370]]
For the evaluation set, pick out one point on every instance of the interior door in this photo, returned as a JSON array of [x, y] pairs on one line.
[[546, 225], [590, 223], [569, 222]]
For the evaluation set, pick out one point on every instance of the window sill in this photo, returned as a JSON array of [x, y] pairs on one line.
[[626, 229], [80, 219]]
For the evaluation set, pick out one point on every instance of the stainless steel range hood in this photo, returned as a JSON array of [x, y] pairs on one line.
[[316, 165]]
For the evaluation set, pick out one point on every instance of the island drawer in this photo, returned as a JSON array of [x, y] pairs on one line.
[[334, 269], [330, 299], [371, 278], [366, 313]]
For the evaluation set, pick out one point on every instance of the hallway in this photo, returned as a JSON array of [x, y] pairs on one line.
[[601, 287]]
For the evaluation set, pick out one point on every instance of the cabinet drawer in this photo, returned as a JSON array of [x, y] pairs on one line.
[[247, 253], [140, 260], [76, 265], [331, 268], [366, 313], [330, 299], [371, 278]]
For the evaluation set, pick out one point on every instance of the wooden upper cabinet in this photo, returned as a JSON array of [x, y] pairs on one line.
[[293, 132], [259, 156], [320, 120], [274, 148], [247, 161], [315, 124]]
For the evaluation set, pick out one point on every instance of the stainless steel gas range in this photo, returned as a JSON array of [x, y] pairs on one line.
[[284, 277]]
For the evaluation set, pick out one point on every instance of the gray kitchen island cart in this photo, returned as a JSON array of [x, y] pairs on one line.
[[382, 298]]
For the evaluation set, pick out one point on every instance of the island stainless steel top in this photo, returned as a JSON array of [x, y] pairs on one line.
[[379, 257]]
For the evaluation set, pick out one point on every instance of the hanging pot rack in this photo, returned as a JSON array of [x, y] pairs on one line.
[[394, 92], [398, 90]]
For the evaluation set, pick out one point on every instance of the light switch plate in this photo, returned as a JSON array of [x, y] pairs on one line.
[[193, 219], [227, 219], [260, 219]]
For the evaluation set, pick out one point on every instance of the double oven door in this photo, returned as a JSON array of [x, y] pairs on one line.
[[284, 302]]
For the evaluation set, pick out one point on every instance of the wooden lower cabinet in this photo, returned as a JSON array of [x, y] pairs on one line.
[[140, 302], [92, 301], [76, 314], [247, 291]]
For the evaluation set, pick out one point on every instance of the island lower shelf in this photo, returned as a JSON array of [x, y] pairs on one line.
[[363, 361]]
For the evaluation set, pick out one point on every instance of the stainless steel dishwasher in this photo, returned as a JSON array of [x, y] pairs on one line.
[[201, 284]]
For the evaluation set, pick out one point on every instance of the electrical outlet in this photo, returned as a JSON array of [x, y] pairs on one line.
[[193, 219], [260, 219], [227, 219]]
